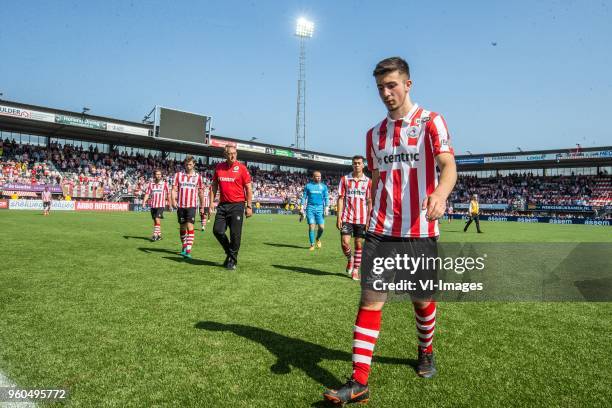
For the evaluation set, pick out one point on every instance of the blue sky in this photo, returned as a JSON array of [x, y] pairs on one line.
[[546, 84]]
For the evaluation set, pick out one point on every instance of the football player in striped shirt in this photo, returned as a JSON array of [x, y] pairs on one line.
[[46, 198], [354, 206], [157, 198], [205, 207], [186, 189], [408, 198]]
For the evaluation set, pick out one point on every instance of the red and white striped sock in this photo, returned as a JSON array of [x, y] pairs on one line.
[[203, 220], [157, 230], [425, 324], [357, 262], [183, 237], [189, 240], [365, 334]]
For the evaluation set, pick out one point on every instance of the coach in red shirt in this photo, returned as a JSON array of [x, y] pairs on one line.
[[233, 181]]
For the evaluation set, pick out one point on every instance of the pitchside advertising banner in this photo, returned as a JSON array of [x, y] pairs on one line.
[[4, 205], [101, 206], [38, 205], [67, 205], [546, 220], [461, 206]]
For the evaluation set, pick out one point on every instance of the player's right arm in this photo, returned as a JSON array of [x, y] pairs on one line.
[[375, 179], [213, 193], [174, 191], [168, 203], [304, 198], [340, 203], [145, 199]]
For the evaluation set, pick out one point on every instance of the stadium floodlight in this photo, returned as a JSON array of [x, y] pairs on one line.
[[253, 139], [85, 110], [470, 153], [519, 149], [303, 30]]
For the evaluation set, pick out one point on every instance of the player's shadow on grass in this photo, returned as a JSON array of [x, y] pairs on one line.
[[133, 237], [177, 258], [274, 244], [192, 261], [291, 352], [309, 271]]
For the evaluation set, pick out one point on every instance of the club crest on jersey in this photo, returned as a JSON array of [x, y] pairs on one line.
[[235, 169], [413, 132]]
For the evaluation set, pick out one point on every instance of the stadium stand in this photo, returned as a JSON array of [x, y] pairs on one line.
[[123, 176]]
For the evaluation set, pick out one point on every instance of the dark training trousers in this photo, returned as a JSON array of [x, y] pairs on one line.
[[229, 215], [476, 219]]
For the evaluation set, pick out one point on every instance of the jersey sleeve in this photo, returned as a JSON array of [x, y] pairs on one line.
[[215, 175], [369, 190], [200, 182], [341, 188], [246, 176], [439, 136], [305, 196], [148, 191], [370, 157], [175, 182]]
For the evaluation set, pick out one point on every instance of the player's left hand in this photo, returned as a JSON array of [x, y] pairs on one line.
[[435, 206], [326, 211], [248, 212]]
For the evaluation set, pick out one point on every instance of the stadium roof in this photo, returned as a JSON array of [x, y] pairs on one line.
[[44, 121]]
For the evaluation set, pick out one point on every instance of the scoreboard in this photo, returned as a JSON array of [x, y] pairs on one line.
[[181, 126]]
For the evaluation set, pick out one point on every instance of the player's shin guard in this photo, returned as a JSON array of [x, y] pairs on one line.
[[365, 334], [189, 240], [183, 237], [346, 250], [425, 325]]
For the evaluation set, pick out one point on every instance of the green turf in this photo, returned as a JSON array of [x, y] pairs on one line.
[[88, 303]]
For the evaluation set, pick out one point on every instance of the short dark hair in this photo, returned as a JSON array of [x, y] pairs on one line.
[[357, 157], [392, 64]]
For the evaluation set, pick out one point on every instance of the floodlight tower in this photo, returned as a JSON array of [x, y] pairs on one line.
[[303, 30]]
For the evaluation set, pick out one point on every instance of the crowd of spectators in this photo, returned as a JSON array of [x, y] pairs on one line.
[[527, 188], [124, 176]]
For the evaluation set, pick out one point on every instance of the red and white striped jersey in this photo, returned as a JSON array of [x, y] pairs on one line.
[[403, 152], [158, 194], [187, 187], [206, 202], [356, 193]]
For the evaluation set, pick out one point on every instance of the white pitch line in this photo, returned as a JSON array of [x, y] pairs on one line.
[[6, 382]]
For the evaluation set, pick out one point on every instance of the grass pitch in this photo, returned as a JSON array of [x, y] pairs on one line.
[[89, 304]]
